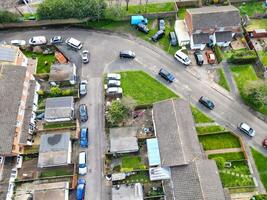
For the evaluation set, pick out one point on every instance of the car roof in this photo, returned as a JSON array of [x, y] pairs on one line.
[[181, 54], [245, 126], [74, 41]]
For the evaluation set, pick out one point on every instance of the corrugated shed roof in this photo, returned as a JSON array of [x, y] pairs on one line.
[[153, 152]]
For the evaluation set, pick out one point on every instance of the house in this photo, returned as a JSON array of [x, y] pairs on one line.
[[213, 24], [128, 192], [59, 109], [192, 176], [123, 140], [63, 74], [12, 55], [55, 150]]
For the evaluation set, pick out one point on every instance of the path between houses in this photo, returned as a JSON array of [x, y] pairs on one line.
[[219, 151]]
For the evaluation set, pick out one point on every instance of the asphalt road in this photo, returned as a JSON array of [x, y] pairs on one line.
[[104, 48]]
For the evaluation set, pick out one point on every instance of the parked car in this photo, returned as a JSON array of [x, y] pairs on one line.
[[82, 163], [19, 161], [182, 57], [113, 76], [37, 40], [245, 128], [80, 189], [166, 75], [72, 42], [18, 42], [56, 40], [210, 56], [206, 102], [83, 88], [114, 90], [114, 83], [199, 58], [83, 113], [264, 143], [158, 35], [85, 56], [162, 24], [138, 19], [127, 54], [84, 137], [173, 39], [143, 28]]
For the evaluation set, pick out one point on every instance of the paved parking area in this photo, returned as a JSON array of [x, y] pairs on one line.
[[8, 3]]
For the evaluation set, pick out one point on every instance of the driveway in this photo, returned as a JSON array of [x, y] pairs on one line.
[[104, 48]]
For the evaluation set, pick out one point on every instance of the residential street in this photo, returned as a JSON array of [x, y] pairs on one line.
[[104, 49]]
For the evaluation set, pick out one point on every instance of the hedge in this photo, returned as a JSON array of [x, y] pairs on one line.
[[243, 57], [6, 17], [259, 197], [218, 53]]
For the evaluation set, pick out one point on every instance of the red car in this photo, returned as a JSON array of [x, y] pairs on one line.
[[264, 143], [210, 56]]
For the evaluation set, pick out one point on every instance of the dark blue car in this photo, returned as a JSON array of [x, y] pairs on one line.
[[166, 75], [80, 189], [84, 137]]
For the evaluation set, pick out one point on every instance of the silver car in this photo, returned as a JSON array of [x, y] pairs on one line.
[[114, 90], [85, 56], [83, 88], [114, 83]]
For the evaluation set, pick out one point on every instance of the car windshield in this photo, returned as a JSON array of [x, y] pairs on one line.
[[200, 58], [186, 59], [250, 130]]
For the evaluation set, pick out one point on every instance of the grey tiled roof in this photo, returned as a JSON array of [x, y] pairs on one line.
[[197, 181], [61, 72], [201, 38], [58, 107], [223, 36], [7, 54], [214, 17], [11, 85], [175, 130], [28, 113]]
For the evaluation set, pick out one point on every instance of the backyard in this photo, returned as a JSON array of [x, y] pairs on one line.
[[44, 61], [219, 141], [200, 117], [150, 8], [131, 163], [143, 88], [256, 24], [139, 177], [56, 172], [251, 8], [260, 161], [59, 125]]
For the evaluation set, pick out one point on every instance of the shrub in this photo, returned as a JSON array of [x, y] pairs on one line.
[[116, 113], [243, 56], [6, 17], [68, 92], [41, 92], [259, 197], [220, 162], [218, 53], [55, 92]]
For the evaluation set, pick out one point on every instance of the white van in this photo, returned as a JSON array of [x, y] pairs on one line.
[[37, 40], [82, 163], [182, 57], [74, 43]]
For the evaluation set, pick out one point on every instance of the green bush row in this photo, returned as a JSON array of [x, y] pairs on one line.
[[218, 53], [259, 197], [243, 57], [57, 92], [6, 17]]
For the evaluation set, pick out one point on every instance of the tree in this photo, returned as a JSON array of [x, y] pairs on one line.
[[6, 17], [55, 92], [116, 113], [256, 92]]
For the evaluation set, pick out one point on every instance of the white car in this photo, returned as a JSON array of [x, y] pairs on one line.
[[114, 83], [182, 57], [37, 40], [76, 44], [85, 56], [19, 162], [114, 90], [245, 128], [18, 42], [83, 88], [113, 76], [82, 163]]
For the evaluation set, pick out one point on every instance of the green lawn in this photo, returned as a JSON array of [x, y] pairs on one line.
[[229, 156], [222, 80], [257, 24], [263, 56], [251, 8], [55, 172], [181, 13], [219, 141], [27, 16], [199, 116], [139, 177], [261, 163], [59, 125], [41, 66], [209, 129], [131, 163], [143, 88], [150, 8]]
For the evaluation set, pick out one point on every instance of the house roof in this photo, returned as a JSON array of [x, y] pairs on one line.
[[54, 150], [123, 140], [214, 17], [58, 190], [201, 38], [199, 181], [11, 86], [128, 192], [8, 53], [175, 130], [59, 107], [28, 113], [153, 152], [61, 72], [223, 36]]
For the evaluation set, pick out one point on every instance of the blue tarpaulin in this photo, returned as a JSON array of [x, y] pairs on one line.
[[137, 19]]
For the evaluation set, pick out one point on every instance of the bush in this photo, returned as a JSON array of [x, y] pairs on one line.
[[55, 92], [243, 56], [41, 92], [116, 113], [6, 17], [220, 161], [68, 92], [115, 13], [218, 53], [259, 197]]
